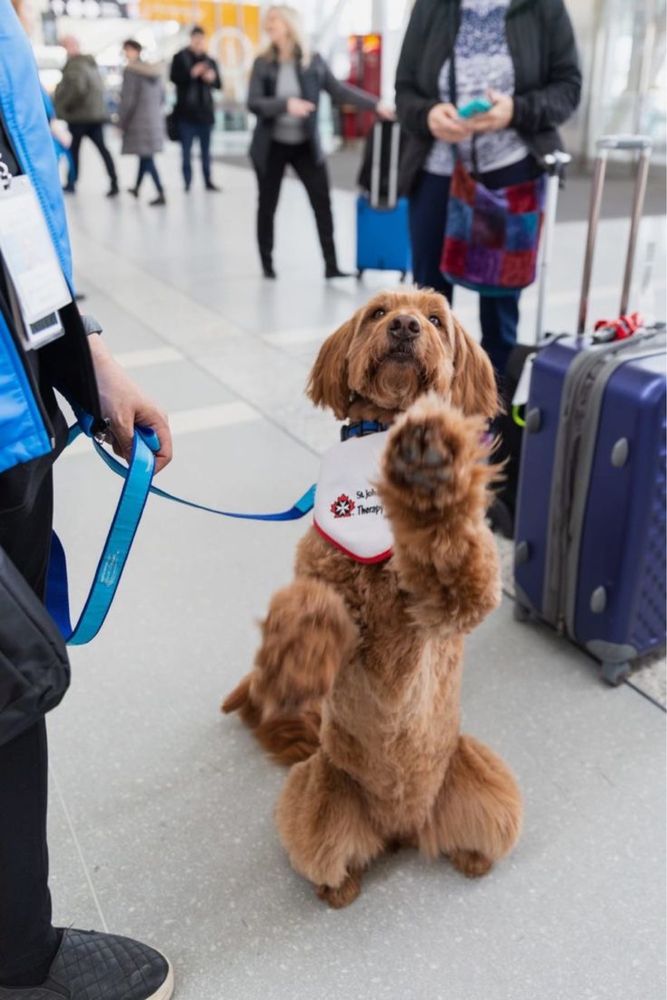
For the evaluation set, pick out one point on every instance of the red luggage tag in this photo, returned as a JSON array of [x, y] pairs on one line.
[[607, 330]]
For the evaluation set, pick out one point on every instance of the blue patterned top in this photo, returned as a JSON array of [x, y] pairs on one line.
[[482, 61]]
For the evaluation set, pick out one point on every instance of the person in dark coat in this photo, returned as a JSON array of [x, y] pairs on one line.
[[79, 100], [522, 56], [284, 93], [140, 116], [196, 76]]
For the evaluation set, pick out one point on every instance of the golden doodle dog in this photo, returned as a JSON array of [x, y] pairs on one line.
[[357, 681]]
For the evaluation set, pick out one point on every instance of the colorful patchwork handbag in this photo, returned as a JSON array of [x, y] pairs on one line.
[[491, 237]]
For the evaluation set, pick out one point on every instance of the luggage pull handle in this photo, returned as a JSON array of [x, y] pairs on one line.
[[392, 193], [606, 143], [555, 163]]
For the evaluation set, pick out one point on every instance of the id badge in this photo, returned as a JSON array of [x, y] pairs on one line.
[[31, 262]]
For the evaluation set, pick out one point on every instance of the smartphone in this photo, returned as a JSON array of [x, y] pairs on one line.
[[476, 107]]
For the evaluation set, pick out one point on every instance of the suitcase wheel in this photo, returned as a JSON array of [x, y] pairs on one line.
[[403, 276], [521, 614], [360, 273], [615, 673]]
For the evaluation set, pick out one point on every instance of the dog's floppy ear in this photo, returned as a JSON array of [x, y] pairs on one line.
[[327, 383], [474, 387]]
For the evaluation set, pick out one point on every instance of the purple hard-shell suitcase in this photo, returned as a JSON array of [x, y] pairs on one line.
[[590, 531]]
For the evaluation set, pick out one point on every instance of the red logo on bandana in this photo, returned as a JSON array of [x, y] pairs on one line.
[[343, 506]]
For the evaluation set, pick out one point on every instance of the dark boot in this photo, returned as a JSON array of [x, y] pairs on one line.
[[332, 270]]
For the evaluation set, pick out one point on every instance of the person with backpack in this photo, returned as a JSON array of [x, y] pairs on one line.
[[57, 350]]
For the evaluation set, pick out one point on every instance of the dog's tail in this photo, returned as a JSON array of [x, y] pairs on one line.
[[240, 701], [288, 739]]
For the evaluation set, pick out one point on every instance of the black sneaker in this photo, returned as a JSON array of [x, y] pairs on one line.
[[93, 966], [210, 186], [113, 191]]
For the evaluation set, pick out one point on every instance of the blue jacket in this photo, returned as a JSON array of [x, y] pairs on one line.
[[25, 433]]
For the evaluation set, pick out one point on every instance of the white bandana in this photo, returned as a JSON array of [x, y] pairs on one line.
[[348, 511]]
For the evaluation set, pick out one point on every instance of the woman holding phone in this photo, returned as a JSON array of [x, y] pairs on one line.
[[515, 65]]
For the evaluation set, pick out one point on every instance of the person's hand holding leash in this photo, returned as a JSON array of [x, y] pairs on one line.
[[445, 124], [125, 405], [498, 117]]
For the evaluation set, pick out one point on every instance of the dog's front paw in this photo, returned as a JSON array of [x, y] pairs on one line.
[[431, 452]]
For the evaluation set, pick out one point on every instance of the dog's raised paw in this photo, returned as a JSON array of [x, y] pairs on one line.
[[423, 454]]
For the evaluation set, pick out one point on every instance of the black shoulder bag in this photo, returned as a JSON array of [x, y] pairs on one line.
[[34, 669]]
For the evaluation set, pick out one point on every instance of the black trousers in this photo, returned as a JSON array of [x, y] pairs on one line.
[[315, 179], [28, 940], [95, 132]]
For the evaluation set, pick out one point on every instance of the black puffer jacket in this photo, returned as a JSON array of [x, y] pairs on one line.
[[546, 70]]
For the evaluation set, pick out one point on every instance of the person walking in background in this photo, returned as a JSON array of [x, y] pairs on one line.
[[284, 93], [140, 116], [79, 100], [523, 58], [196, 76]]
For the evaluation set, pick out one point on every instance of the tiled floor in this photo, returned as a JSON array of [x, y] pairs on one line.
[[161, 818]]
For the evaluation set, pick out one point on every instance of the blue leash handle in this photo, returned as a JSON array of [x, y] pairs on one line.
[[137, 486]]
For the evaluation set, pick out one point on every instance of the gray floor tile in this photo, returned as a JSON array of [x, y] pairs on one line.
[[74, 902], [182, 386]]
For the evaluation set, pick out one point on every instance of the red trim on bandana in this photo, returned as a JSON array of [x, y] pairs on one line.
[[360, 559]]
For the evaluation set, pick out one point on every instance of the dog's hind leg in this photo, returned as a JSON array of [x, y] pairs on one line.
[[306, 637], [324, 826], [476, 819]]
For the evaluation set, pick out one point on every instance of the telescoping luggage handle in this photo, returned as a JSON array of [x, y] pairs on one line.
[[555, 163], [643, 145], [376, 163]]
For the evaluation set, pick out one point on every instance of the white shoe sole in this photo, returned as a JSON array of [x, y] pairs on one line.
[[167, 988]]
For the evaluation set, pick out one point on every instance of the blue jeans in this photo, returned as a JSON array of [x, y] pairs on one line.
[[189, 131], [498, 314], [147, 166]]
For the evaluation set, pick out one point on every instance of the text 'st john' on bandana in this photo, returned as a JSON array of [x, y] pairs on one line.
[[348, 509]]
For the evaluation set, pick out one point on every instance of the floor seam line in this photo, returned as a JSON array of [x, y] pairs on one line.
[[79, 850]]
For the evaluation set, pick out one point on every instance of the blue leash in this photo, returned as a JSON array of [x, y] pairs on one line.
[[137, 485]]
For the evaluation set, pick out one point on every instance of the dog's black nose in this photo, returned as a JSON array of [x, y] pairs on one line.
[[404, 327]]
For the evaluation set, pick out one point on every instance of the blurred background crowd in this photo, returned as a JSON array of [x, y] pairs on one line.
[[621, 42]]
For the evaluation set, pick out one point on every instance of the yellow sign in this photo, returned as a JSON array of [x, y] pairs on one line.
[[211, 16], [233, 29]]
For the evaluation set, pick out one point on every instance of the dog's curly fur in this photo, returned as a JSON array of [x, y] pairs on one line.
[[358, 676]]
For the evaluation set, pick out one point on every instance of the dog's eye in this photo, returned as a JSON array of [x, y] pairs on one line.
[[435, 320], [379, 313]]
